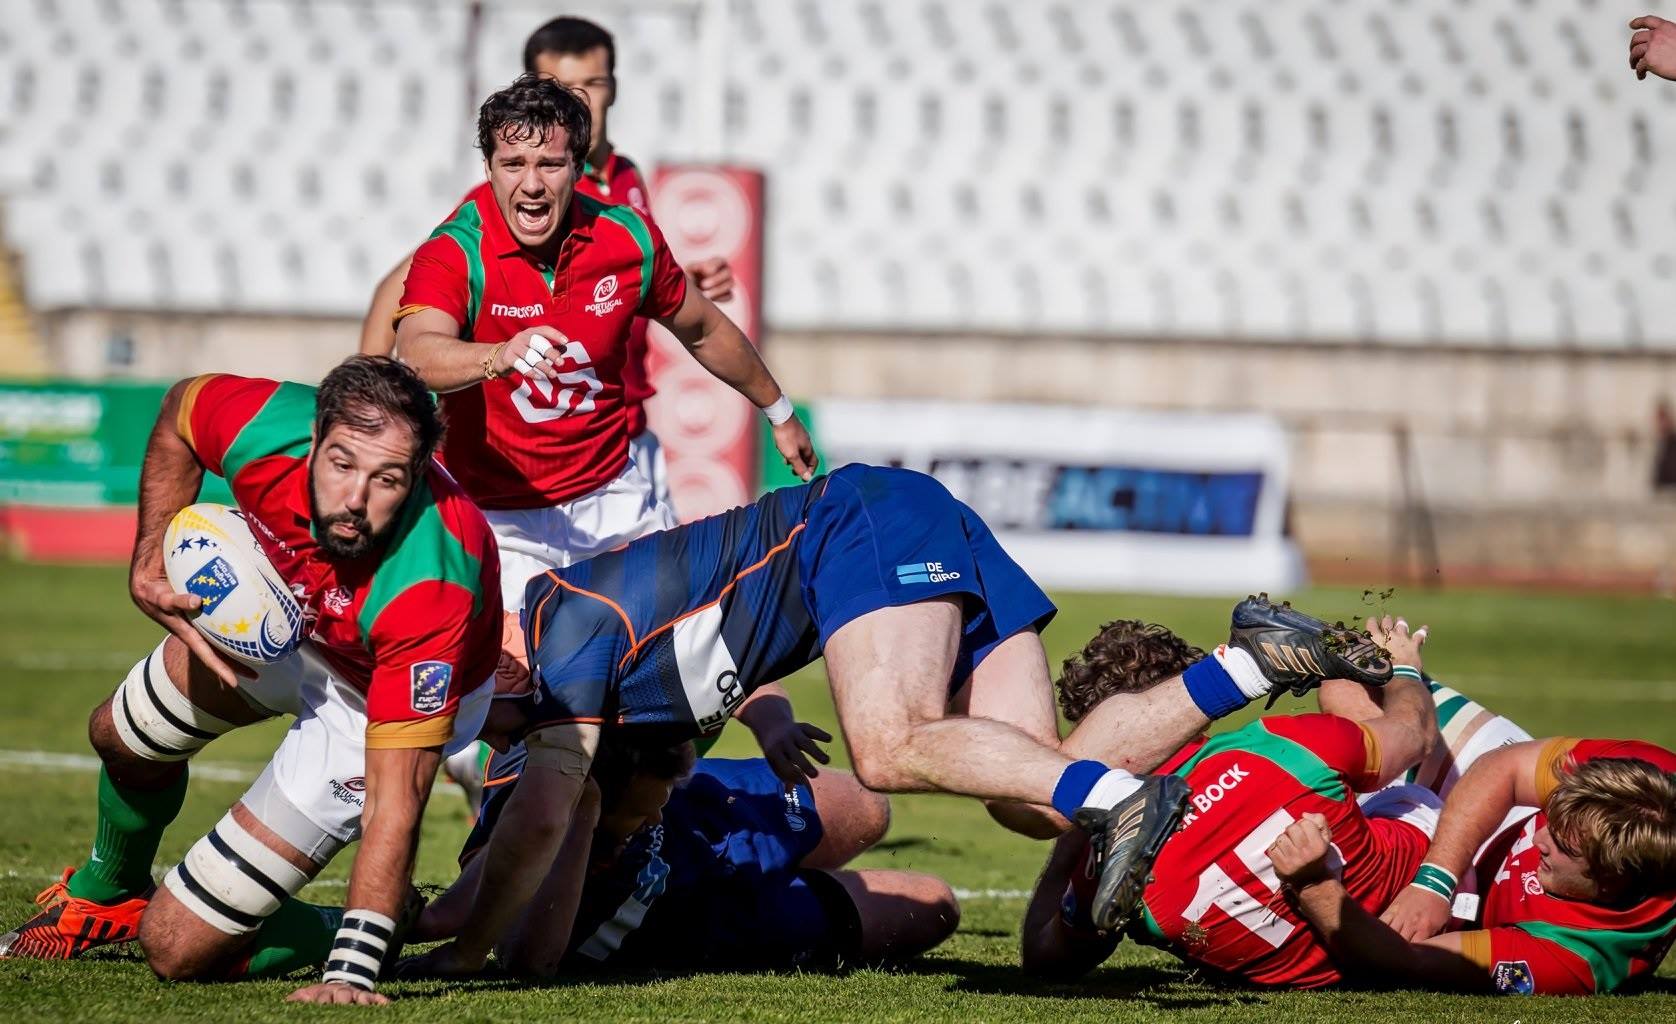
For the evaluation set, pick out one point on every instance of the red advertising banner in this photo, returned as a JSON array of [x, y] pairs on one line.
[[708, 431]]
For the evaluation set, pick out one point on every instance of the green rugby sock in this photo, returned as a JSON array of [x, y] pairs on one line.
[[131, 824], [295, 936]]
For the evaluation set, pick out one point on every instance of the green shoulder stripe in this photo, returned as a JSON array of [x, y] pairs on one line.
[[281, 427], [1607, 951], [422, 549], [629, 220], [1297, 761], [466, 229]]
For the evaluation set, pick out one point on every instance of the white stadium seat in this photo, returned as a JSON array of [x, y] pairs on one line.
[[1480, 173]]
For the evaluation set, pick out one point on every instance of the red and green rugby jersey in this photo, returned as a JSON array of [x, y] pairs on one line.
[[620, 182], [412, 627], [520, 443], [1215, 897], [1532, 942]]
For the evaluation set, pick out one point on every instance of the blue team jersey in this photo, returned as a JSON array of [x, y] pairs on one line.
[[677, 627]]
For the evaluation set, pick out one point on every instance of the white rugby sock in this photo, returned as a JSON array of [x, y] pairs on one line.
[[1242, 668], [1112, 789]]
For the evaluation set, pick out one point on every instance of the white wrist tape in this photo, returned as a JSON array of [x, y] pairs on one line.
[[780, 411], [359, 948]]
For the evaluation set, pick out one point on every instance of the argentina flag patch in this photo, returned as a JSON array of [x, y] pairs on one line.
[[430, 685]]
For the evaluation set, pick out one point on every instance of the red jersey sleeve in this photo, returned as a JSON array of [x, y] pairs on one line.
[[663, 294], [1348, 748], [1519, 963], [423, 662], [214, 409], [636, 193], [438, 278], [1562, 753]]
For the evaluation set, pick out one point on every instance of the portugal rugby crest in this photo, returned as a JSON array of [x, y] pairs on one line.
[[430, 685]]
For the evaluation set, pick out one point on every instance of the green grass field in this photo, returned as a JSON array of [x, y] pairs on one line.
[[1574, 665]]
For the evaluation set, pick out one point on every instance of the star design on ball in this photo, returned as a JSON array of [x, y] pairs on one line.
[[204, 542], [184, 545]]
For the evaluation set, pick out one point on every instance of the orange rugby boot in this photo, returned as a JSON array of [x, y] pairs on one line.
[[68, 927]]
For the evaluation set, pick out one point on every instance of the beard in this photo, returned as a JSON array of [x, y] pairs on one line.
[[366, 538]]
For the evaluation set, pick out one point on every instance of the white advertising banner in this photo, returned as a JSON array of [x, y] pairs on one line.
[[1092, 498]]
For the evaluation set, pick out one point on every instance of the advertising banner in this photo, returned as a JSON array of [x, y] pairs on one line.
[[708, 431], [1092, 498]]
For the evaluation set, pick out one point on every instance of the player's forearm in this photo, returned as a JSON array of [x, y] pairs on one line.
[[1411, 727], [541, 935], [1049, 946], [398, 783], [1363, 946], [721, 348], [444, 362], [378, 332], [1477, 804], [170, 478], [522, 849]]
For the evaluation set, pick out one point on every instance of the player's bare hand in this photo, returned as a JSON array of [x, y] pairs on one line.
[[157, 598], [1417, 914], [445, 961], [789, 747], [714, 277], [1299, 856], [336, 992], [533, 352], [1653, 47], [1393, 635], [791, 438]]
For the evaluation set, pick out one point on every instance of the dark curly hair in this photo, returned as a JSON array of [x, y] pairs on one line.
[[363, 393], [619, 761], [1126, 656], [534, 107]]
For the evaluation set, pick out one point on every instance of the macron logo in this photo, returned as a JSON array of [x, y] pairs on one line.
[[924, 572], [517, 312]]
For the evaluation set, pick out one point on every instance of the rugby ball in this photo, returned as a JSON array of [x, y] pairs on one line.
[[248, 611]]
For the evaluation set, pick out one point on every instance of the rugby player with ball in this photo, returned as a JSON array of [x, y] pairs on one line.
[[364, 599]]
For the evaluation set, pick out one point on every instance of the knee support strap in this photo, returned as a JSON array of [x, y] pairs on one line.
[[155, 720], [232, 880]]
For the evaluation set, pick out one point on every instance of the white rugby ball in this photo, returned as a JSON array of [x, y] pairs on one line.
[[248, 611]]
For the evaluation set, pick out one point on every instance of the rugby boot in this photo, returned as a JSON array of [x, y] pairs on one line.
[[67, 927], [1126, 840], [1296, 652]]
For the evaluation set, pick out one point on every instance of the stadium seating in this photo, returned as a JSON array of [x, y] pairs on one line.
[[1421, 171]]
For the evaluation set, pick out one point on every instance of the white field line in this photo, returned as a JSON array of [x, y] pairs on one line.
[[1583, 687], [49, 761]]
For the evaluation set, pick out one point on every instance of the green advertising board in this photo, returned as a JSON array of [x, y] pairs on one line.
[[66, 444]]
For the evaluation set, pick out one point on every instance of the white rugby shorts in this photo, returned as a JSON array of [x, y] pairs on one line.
[[534, 540], [320, 765]]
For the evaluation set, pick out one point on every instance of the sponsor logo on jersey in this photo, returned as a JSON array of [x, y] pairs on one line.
[[1212, 794], [925, 572], [1513, 977], [1533, 887], [430, 685], [212, 583], [517, 312], [605, 296], [794, 812]]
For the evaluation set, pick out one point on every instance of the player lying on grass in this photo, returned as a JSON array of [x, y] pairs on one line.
[[718, 867], [1576, 895], [1213, 897], [929, 632], [397, 575]]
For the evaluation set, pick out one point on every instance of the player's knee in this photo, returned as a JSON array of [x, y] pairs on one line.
[[150, 719], [878, 770], [875, 817], [166, 939]]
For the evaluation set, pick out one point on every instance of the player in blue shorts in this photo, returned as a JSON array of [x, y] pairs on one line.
[[715, 867], [930, 635]]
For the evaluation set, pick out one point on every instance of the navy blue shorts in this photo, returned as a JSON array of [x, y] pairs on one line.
[[880, 538]]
